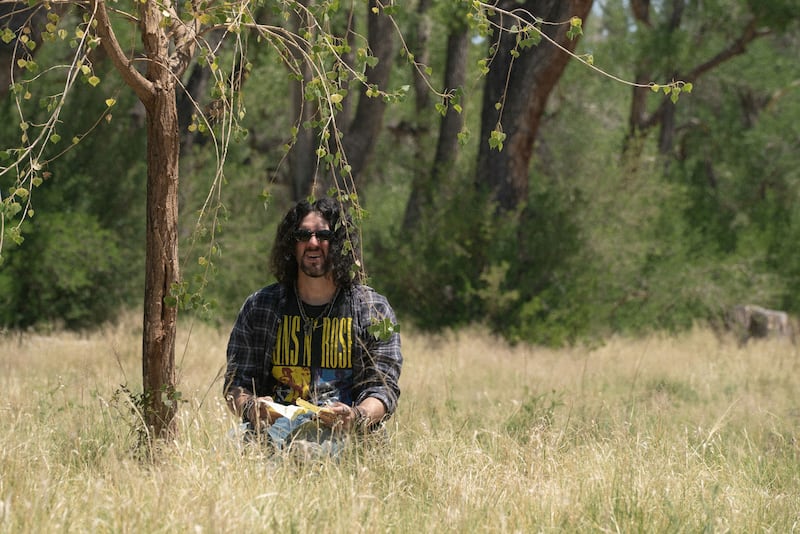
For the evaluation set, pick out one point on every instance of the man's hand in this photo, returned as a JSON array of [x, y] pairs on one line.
[[250, 408], [260, 411], [338, 416]]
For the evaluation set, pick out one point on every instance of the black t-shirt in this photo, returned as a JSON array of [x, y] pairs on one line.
[[319, 366]]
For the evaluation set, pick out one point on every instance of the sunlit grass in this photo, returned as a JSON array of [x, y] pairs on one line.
[[664, 434]]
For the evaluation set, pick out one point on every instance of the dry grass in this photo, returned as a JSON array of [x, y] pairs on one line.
[[665, 434]]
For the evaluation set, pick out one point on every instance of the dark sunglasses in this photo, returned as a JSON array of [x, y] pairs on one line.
[[305, 235]]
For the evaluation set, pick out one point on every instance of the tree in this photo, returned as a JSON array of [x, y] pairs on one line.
[[523, 71], [170, 35], [673, 35], [424, 186], [169, 38]]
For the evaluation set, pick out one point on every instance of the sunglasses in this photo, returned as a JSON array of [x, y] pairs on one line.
[[305, 235]]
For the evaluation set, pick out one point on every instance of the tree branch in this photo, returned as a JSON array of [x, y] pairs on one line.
[[737, 47], [185, 39], [108, 40]]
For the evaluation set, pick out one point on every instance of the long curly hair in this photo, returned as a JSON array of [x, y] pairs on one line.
[[343, 249]]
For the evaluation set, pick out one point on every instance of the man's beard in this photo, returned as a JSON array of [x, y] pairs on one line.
[[315, 270]]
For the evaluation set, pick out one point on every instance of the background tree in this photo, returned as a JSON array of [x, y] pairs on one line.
[[523, 71]]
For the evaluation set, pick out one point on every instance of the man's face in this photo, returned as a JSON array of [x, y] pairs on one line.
[[312, 253]]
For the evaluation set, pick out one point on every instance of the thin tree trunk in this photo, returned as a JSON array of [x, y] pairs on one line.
[[156, 90], [302, 157], [423, 188], [161, 261], [362, 132], [162, 271]]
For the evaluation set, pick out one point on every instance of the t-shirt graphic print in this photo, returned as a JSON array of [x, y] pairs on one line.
[[312, 359]]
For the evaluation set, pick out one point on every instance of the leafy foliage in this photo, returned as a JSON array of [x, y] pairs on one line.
[[66, 276], [617, 235]]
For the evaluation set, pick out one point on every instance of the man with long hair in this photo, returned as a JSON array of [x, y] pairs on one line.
[[310, 338]]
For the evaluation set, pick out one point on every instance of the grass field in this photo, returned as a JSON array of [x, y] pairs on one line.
[[665, 434]]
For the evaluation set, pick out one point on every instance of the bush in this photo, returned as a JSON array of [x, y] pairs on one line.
[[66, 273]]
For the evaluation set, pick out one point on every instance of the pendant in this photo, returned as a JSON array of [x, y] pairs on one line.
[[308, 327]]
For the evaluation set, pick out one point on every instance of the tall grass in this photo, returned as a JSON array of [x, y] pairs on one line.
[[664, 434]]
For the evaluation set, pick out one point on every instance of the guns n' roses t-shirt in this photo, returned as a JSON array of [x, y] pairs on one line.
[[313, 354]]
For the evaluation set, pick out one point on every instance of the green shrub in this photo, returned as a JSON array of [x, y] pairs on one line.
[[66, 273]]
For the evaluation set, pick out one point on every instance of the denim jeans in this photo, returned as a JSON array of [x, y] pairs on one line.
[[302, 431]]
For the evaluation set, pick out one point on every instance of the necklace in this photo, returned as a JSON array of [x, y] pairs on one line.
[[309, 325]]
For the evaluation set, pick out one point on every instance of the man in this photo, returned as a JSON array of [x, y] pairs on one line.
[[307, 336]]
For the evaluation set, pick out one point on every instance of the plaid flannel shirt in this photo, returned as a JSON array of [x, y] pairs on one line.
[[376, 363]]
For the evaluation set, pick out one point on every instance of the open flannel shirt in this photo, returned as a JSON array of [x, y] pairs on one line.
[[376, 363]]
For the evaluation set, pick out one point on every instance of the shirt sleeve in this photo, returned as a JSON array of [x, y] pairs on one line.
[[246, 352], [382, 360]]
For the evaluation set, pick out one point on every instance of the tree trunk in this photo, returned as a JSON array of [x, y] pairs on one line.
[[161, 263], [161, 260], [302, 157], [423, 187], [362, 132], [523, 92], [156, 90]]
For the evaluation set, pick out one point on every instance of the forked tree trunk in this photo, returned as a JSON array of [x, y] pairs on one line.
[[424, 188]]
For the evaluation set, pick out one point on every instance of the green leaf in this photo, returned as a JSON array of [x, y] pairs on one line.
[[383, 329], [15, 235], [575, 28], [13, 208], [496, 140]]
